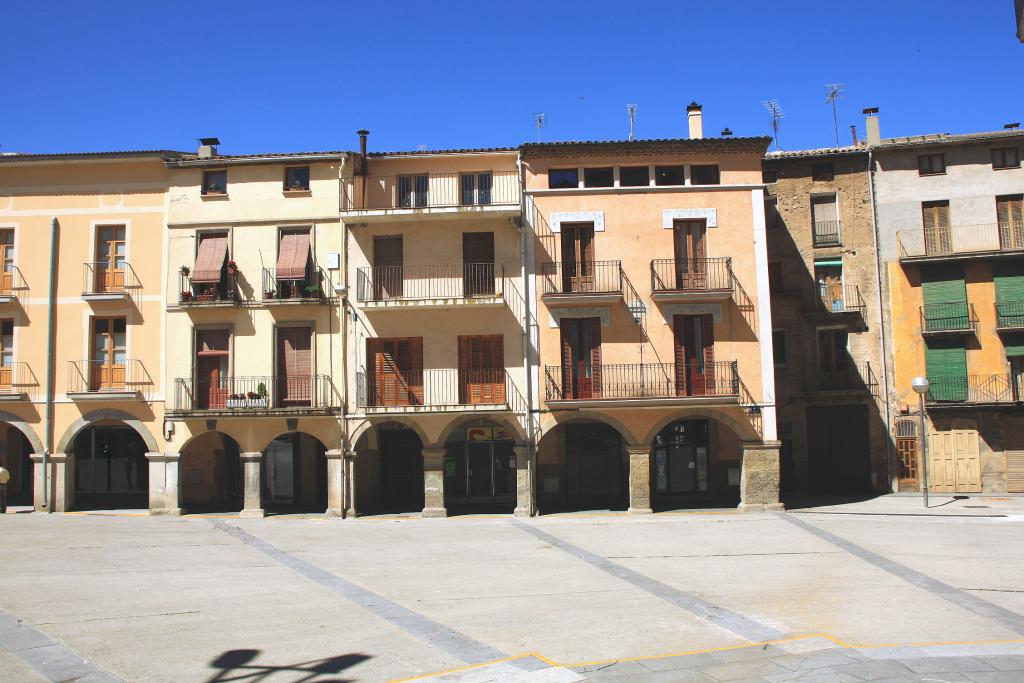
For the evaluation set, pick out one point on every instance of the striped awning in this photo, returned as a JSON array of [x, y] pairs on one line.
[[210, 259], [293, 256]]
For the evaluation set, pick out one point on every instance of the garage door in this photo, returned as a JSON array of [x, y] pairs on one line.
[[1014, 446], [954, 465]]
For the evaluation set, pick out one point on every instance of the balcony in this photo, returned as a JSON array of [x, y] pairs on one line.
[[122, 380], [1009, 316], [949, 318], [834, 300], [207, 294], [981, 390], [581, 284], [953, 242], [101, 282], [683, 280], [856, 378], [11, 284], [254, 396], [647, 384], [431, 286], [425, 195], [310, 289], [439, 391], [17, 382], [826, 234]]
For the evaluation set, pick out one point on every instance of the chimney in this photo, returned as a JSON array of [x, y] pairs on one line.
[[871, 126], [726, 132], [362, 150], [695, 118], [853, 132], [207, 147]]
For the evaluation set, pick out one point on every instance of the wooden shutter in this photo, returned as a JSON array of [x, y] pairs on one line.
[[1014, 448], [1010, 214], [938, 238], [408, 368], [679, 340], [707, 333], [294, 365], [566, 334], [293, 256], [481, 369], [213, 251], [595, 355]]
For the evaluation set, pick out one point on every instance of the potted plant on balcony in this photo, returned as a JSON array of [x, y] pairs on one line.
[[258, 398], [185, 271], [270, 294], [186, 296], [312, 291], [236, 401], [232, 267]]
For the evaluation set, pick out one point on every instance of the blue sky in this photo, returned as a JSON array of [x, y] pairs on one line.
[[280, 76]]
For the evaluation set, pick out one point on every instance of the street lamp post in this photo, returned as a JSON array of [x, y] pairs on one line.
[[920, 386]]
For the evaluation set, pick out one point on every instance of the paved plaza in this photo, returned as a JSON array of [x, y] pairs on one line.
[[877, 590]]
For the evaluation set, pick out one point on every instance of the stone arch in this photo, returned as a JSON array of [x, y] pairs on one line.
[[744, 432], [107, 414], [315, 430], [364, 428], [549, 423], [513, 424], [25, 429]]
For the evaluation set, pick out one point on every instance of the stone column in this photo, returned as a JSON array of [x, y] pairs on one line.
[[433, 482], [349, 472], [164, 487], [639, 480], [252, 483], [759, 476], [526, 468], [59, 479], [335, 483]]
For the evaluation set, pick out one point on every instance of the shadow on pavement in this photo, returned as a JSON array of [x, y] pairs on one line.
[[239, 665]]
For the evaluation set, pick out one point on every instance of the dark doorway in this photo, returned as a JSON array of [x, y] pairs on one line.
[[480, 467], [838, 450], [388, 278], [16, 456], [210, 474], [111, 470], [595, 467], [401, 462], [478, 263], [295, 474]]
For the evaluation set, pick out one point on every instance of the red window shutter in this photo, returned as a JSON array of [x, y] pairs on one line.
[[213, 252], [566, 331], [595, 354], [707, 323], [679, 339], [294, 365], [374, 371]]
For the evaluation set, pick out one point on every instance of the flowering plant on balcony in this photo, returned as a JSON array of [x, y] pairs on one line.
[[186, 296], [270, 294], [232, 266], [249, 399], [185, 270]]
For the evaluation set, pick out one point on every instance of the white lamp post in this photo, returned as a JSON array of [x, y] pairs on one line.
[[920, 385]]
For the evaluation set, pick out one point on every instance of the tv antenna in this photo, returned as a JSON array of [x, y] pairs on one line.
[[631, 111], [539, 119], [775, 110], [833, 92]]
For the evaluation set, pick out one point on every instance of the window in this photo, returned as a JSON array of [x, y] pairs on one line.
[[775, 276], [822, 172], [109, 356], [6, 261], [1005, 157], [110, 266], [293, 274], [668, 175], [1010, 215], [769, 175], [634, 176], [296, 178], [826, 221], [412, 190], [833, 358], [779, 348], [931, 164], [563, 178], [938, 236], [705, 174], [598, 177], [476, 188], [215, 182], [6, 354]]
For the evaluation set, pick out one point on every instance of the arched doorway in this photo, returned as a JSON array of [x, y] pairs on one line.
[[695, 462], [111, 470], [480, 467], [294, 474], [582, 465], [16, 457], [389, 469], [210, 474]]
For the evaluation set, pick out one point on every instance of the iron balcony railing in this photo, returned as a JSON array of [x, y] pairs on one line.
[[431, 191], [949, 240], [637, 381], [310, 289], [952, 317], [855, 377], [419, 282], [584, 277], [691, 275], [120, 376], [200, 293], [826, 234], [981, 389], [255, 395], [828, 298], [11, 281], [439, 388], [17, 379], [100, 277], [1009, 314]]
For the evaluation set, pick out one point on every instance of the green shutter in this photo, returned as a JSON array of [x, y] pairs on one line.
[[1014, 345], [1009, 280], [946, 369], [945, 297]]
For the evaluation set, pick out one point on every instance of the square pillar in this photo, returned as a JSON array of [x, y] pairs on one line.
[[433, 482], [252, 484], [526, 467], [335, 483], [759, 476], [349, 473], [59, 480], [164, 490], [639, 480]]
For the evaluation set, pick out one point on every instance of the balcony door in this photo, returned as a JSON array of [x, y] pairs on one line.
[[211, 388], [938, 236], [578, 257], [7, 259], [694, 337], [6, 354], [412, 190], [394, 370], [478, 263], [108, 365], [828, 275], [387, 267], [1010, 214], [481, 369], [581, 357], [833, 359], [294, 366], [688, 243], [110, 265]]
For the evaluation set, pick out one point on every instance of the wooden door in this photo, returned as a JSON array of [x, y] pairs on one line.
[[830, 286], [938, 236], [388, 273], [1010, 214], [1014, 449], [110, 258], [578, 257], [6, 261], [688, 240], [294, 366], [481, 369], [694, 339], [108, 364], [211, 385], [954, 463], [581, 357], [833, 359], [478, 264], [394, 371]]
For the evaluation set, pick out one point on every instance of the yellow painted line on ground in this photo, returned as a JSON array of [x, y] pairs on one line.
[[469, 668]]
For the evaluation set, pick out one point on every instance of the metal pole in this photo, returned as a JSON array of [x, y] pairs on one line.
[[924, 454]]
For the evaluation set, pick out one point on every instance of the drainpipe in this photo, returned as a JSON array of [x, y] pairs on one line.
[[526, 270], [50, 324]]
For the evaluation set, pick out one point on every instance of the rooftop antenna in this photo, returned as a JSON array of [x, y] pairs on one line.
[[775, 110], [631, 110], [421, 148], [833, 92], [539, 119]]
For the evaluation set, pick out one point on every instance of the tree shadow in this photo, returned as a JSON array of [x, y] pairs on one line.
[[239, 665]]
